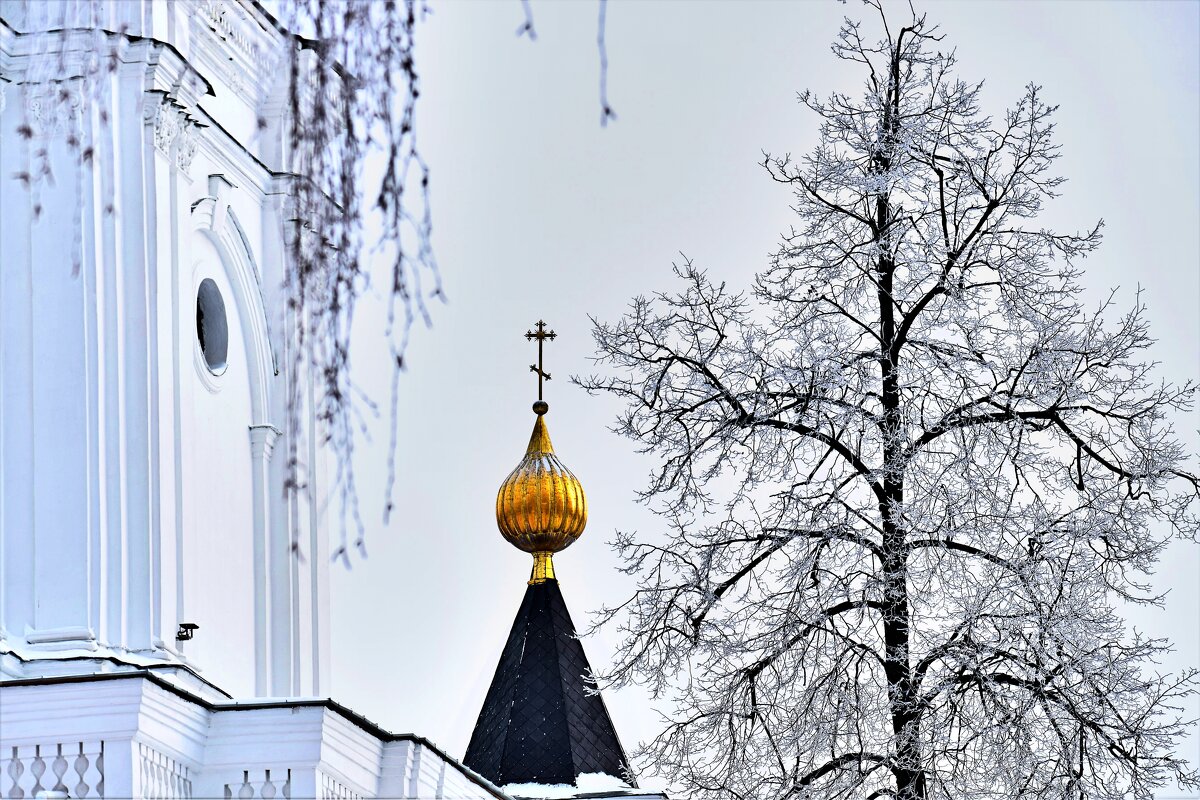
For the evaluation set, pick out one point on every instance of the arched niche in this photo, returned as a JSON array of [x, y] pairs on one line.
[[226, 556], [212, 217]]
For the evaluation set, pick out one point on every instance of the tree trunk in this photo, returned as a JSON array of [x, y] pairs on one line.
[[908, 771], [908, 766]]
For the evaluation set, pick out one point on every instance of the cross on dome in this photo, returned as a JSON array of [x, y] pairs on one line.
[[541, 406]]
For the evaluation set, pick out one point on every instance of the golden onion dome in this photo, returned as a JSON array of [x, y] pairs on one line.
[[540, 507]]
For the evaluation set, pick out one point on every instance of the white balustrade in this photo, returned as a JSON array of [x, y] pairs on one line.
[[73, 769], [332, 789], [163, 778], [262, 784]]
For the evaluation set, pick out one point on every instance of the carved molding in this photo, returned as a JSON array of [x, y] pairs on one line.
[[168, 122], [186, 149], [262, 441]]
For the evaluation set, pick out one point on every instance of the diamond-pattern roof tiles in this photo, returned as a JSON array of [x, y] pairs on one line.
[[539, 722]]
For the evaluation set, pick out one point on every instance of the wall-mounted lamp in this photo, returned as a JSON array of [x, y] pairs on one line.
[[186, 629]]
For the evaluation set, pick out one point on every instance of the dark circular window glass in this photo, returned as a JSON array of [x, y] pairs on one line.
[[212, 327]]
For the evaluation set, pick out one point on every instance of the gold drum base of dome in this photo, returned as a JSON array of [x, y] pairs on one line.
[[543, 567]]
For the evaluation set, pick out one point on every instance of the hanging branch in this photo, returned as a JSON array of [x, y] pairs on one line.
[[352, 89]]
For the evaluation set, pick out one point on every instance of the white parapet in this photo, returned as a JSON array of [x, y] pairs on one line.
[[137, 735]]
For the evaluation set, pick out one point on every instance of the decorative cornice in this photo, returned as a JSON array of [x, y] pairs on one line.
[[241, 51], [167, 73], [233, 26], [167, 69]]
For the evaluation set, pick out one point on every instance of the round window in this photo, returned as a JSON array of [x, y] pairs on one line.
[[212, 327]]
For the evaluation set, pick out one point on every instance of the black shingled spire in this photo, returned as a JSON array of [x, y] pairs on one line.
[[541, 721]]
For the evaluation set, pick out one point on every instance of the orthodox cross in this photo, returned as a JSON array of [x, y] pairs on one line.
[[541, 337]]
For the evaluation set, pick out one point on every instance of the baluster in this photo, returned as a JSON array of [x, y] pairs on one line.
[[80, 765], [161, 770], [98, 770], [246, 792], [26, 780], [37, 770], [10, 776], [147, 789], [59, 768]]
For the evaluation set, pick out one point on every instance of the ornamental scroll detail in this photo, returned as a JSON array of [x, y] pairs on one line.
[[52, 112], [175, 131]]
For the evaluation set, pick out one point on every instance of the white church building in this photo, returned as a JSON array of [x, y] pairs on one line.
[[156, 629]]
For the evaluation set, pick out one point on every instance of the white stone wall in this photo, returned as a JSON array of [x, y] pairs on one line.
[[140, 490]]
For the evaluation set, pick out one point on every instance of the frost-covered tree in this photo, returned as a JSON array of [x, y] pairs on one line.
[[907, 477]]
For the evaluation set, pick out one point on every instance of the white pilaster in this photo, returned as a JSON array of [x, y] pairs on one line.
[[272, 646], [135, 131], [16, 379], [58, 350]]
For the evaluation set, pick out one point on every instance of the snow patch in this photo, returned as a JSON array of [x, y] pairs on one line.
[[586, 783]]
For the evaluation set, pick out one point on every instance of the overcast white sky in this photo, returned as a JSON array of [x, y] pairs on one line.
[[540, 212]]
